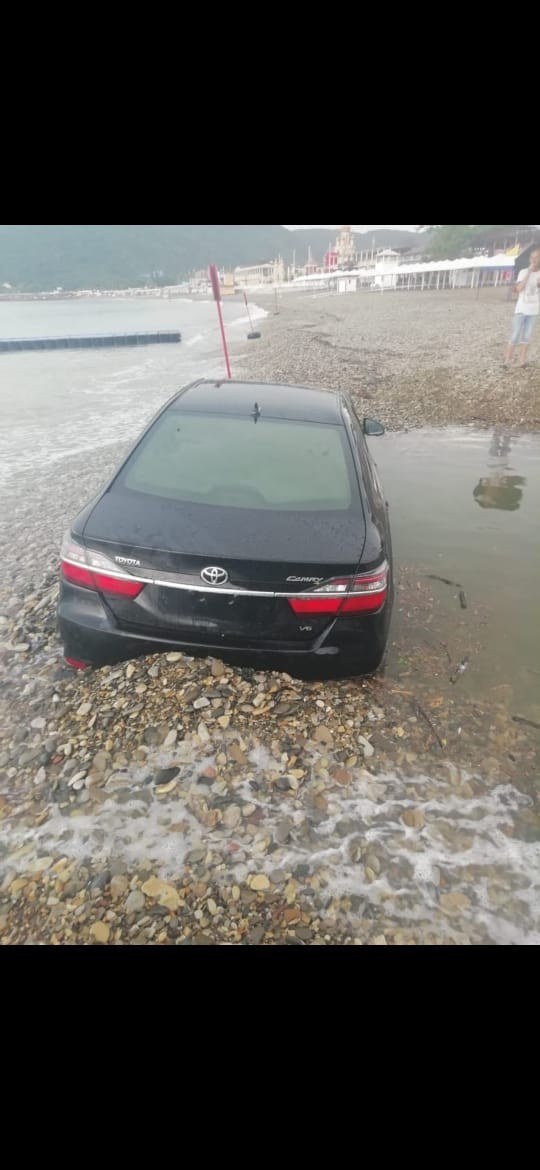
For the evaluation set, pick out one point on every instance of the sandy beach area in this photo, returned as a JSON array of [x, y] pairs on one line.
[[412, 359]]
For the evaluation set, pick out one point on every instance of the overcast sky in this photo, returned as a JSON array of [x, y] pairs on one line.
[[359, 227]]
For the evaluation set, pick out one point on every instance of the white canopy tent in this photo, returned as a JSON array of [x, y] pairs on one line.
[[388, 273]]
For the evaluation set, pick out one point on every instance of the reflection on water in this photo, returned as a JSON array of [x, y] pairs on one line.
[[500, 444], [500, 492], [437, 530], [498, 489]]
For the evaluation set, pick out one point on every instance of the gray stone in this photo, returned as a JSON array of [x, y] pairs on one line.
[[301, 871], [195, 855], [95, 779], [77, 781], [256, 935], [165, 775], [283, 830], [101, 761], [117, 867], [232, 816], [158, 734], [283, 784], [151, 736], [135, 902], [124, 795], [346, 826], [367, 749], [28, 756]]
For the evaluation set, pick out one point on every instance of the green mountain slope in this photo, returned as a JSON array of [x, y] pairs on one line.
[[42, 257]]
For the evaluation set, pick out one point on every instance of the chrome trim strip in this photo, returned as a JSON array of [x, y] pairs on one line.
[[223, 592]]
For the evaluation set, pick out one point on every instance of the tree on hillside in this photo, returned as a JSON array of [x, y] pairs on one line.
[[447, 241], [450, 240]]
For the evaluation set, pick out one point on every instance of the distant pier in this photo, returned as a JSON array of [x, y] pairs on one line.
[[17, 344]]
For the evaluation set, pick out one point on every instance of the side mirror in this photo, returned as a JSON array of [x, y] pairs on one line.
[[372, 427]]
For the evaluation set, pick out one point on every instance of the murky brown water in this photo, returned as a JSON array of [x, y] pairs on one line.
[[465, 506]]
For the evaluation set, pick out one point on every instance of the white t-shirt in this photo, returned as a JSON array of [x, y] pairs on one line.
[[529, 299]]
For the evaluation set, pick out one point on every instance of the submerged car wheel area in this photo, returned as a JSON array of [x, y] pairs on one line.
[[247, 519]]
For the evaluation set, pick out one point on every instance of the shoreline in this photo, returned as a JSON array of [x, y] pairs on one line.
[[411, 359], [185, 801]]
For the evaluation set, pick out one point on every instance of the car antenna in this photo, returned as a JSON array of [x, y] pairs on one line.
[[256, 412]]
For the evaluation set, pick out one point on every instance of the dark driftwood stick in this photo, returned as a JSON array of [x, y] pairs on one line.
[[445, 580], [433, 730], [527, 722]]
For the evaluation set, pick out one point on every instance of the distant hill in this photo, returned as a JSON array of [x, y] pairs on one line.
[[42, 257], [320, 238]]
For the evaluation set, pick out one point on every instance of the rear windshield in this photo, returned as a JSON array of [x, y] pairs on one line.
[[236, 463]]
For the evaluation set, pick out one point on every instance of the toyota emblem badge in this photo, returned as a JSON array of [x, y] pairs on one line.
[[213, 575]]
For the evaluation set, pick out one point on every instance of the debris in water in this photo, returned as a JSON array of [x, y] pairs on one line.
[[445, 580], [454, 584], [433, 730], [459, 670], [526, 722]]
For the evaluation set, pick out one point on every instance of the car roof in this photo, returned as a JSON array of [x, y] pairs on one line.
[[296, 403]]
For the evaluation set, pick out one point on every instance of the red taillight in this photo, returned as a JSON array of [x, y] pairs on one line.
[[367, 603], [100, 581], [314, 605], [365, 594], [75, 664], [77, 575], [117, 585]]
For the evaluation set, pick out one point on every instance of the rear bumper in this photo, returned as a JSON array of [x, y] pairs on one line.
[[91, 635]]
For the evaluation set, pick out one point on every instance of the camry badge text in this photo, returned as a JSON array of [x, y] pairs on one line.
[[306, 580]]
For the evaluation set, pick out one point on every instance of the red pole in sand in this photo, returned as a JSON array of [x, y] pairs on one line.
[[214, 280]]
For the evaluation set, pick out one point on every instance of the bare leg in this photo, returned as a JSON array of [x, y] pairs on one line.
[[524, 351], [509, 354]]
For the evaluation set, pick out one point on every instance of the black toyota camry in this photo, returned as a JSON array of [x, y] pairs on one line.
[[247, 518]]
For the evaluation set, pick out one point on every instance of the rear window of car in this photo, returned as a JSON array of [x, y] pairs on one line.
[[232, 462]]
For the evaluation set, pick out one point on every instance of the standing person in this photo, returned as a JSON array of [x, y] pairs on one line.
[[527, 309]]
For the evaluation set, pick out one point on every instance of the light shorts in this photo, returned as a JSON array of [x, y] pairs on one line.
[[522, 328]]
